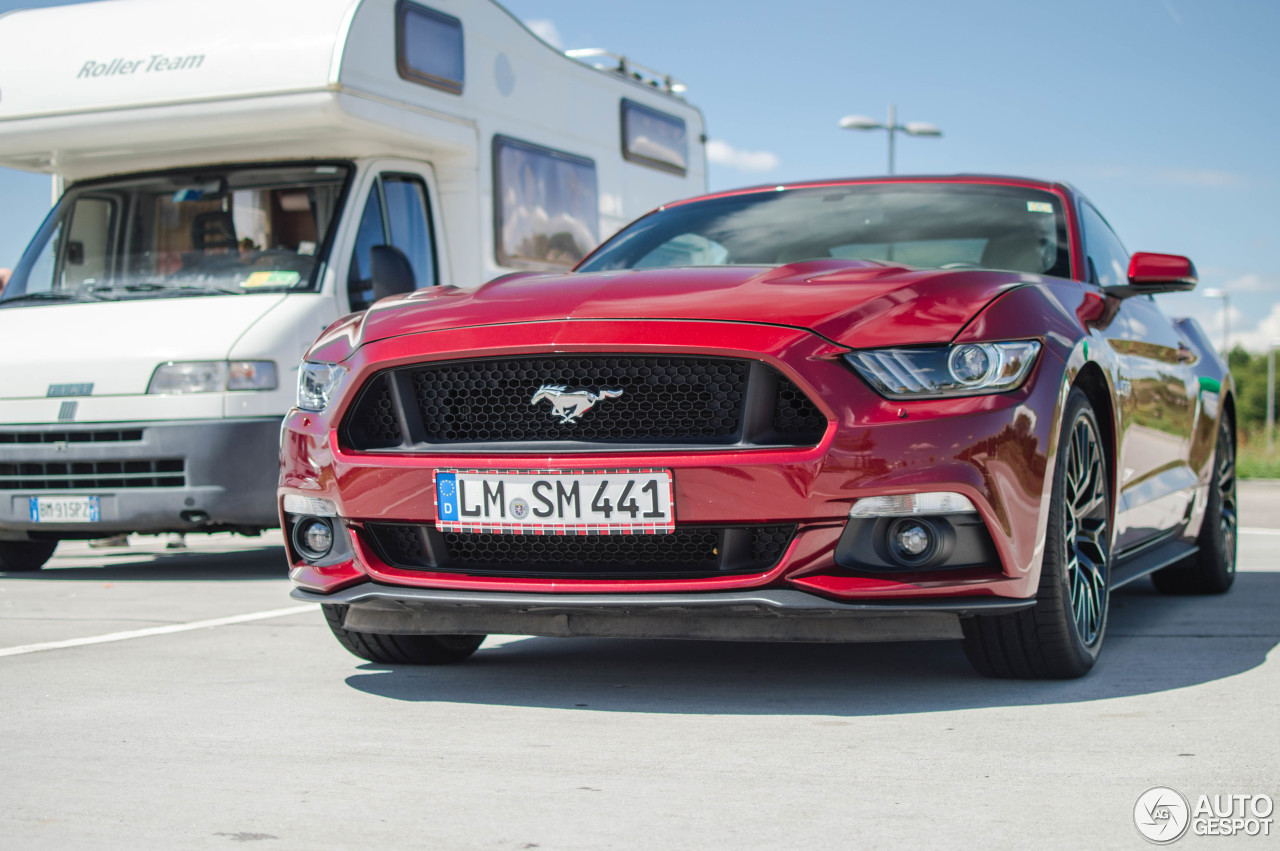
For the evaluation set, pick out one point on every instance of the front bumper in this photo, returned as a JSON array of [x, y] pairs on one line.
[[759, 615], [201, 475], [994, 450]]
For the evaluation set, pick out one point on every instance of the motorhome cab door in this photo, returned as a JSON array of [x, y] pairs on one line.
[[391, 242]]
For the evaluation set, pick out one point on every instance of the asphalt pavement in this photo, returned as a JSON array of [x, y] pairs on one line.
[[155, 698]]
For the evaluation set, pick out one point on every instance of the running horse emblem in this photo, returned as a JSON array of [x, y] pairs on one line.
[[568, 406]]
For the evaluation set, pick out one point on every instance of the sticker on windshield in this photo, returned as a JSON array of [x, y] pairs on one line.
[[272, 279], [1039, 207]]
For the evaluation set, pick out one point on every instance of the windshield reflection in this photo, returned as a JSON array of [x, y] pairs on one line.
[[219, 231], [923, 225]]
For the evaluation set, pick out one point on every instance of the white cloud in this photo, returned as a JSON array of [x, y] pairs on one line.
[[1207, 177], [1251, 283], [1257, 339], [546, 30], [722, 153]]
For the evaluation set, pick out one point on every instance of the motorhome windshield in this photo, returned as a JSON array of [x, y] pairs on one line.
[[212, 231]]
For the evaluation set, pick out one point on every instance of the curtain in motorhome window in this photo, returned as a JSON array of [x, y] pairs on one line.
[[429, 47], [654, 138], [546, 205]]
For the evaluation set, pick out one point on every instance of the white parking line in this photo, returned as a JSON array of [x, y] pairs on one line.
[[1257, 531], [155, 630]]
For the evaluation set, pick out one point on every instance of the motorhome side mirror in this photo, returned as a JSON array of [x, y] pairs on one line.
[[391, 271], [75, 253], [1151, 273]]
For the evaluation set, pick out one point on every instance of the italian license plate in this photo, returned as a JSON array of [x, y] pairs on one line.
[[549, 503], [64, 509]]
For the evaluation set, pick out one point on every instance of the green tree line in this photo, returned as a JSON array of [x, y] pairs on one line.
[[1250, 375]]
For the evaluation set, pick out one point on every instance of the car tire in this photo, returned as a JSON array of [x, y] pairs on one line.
[[401, 649], [1060, 637], [1213, 568], [18, 556]]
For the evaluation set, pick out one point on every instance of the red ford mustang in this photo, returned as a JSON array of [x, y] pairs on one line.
[[887, 409]]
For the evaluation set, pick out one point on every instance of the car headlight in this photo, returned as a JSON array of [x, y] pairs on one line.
[[212, 376], [968, 369], [316, 383]]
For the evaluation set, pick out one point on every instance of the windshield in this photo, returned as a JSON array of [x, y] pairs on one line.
[[925, 225], [211, 231]]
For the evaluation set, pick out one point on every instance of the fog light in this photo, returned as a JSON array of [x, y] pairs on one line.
[[313, 536], [913, 542]]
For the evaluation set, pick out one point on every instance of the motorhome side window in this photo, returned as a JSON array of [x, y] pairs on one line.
[[546, 205], [396, 223], [654, 138], [429, 47], [206, 231]]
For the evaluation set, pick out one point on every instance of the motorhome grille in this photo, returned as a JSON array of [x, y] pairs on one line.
[[102, 436], [95, 475], [638, 400], [690, 551]]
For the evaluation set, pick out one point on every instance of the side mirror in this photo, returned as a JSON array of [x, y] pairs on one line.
[[1157, 273], [391, 271]]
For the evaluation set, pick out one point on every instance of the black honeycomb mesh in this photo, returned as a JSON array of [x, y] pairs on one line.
[[372, 423], [795, 416], [662, 399], [688, 551], [655, 401]]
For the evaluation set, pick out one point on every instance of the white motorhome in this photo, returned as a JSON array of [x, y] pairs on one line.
[[237, 176]]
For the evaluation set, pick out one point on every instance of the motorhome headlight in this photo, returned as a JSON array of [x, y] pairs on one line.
[[251, 375], [211, 376], [968, 369], [316, 383]]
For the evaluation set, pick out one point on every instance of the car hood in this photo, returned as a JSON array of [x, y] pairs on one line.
[[860, 304], [116, 345]]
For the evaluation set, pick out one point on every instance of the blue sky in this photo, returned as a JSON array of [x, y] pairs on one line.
[[1163, 112]]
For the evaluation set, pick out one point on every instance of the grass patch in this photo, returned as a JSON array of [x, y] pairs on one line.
[[1253, 461]]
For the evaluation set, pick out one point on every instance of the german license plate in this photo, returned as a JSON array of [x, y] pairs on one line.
[[64, 509], [550, 503]]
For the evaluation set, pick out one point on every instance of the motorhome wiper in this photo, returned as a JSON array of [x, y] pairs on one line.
[[51, 295], [150, 287]]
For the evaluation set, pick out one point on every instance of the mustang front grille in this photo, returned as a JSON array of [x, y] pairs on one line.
[[580, 402], [689, 551]]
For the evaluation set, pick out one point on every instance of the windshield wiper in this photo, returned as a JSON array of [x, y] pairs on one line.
[[150, 287], [52, 295]]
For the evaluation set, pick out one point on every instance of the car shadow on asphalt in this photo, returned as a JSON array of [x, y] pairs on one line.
[[1154, 643], [245, 562]]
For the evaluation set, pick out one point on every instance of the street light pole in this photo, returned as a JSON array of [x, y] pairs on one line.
[[913, 128]]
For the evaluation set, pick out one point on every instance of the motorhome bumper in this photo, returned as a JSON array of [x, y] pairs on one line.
[[145, 476], [760, 615]]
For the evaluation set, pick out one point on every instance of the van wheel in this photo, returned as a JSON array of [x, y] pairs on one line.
[[25, 555], [1213, 568], [1059, 638], [401, 649]]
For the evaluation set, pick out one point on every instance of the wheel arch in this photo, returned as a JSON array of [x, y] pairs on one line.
[[1092, 381]]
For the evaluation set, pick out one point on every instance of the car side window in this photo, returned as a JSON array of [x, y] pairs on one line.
[[1108, 261]]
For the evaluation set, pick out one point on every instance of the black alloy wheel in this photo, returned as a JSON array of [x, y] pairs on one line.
[[1086, 539], [1213, 569], [1061, 636]]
